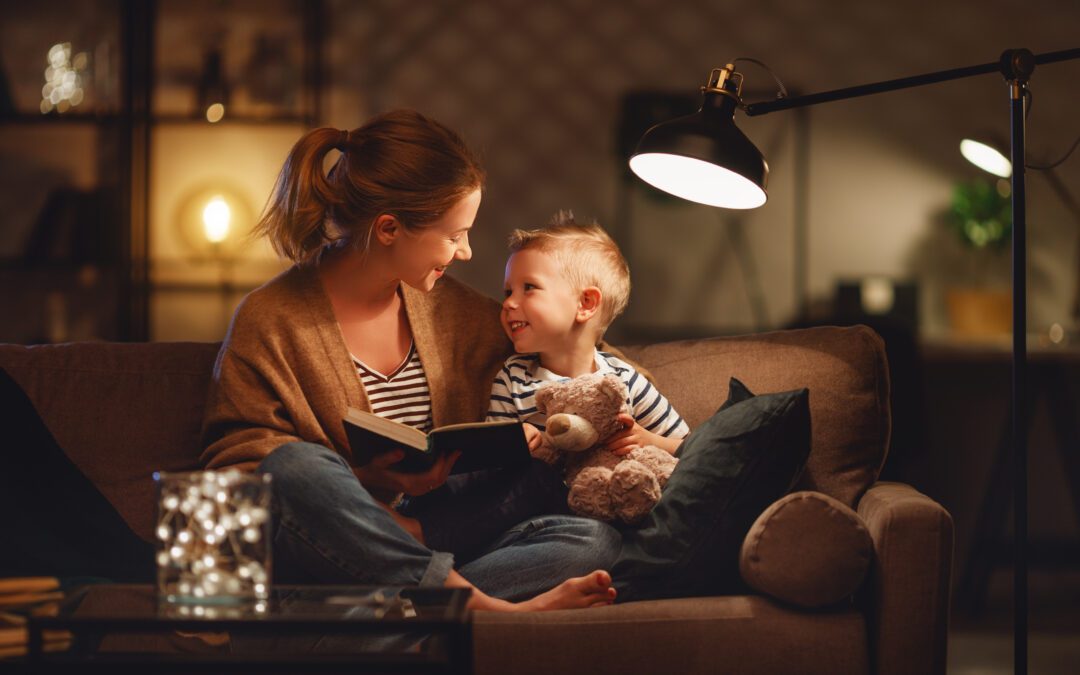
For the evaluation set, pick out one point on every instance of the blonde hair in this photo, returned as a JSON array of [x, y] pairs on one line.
[[400, 163], [587, 256]]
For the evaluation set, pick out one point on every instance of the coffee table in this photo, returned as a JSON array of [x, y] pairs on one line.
[[126, 627]]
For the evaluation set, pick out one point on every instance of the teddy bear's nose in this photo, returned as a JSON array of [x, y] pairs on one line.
[[558, 424]]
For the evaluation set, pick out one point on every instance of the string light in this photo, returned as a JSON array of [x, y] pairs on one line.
[[63, 80], [213, 533]]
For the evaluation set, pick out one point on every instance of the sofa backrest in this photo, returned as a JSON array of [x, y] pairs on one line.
[[845, 370], [119, 411], [123, 411]]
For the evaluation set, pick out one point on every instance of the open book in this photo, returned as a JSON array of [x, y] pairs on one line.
[[483, 445]]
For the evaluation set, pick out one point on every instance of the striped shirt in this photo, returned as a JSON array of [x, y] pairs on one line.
[[403, 395], [513, 394]]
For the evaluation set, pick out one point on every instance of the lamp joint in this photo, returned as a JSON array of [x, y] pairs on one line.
[[1017, 65], [718, 83]]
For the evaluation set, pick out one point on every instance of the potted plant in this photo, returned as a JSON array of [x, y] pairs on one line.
[[980, 214]]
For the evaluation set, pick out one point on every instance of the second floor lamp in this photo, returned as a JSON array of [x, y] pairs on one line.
[[705, 158]]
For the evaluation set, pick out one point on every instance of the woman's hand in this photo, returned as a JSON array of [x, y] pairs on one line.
[[380, 473], [634, 436]]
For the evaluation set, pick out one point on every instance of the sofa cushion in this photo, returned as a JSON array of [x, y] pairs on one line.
[[730, 469], [846, 369], [56, 523], [807, 549], [120, 411]]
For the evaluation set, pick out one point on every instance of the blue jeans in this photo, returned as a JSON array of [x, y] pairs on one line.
[[329, 529]]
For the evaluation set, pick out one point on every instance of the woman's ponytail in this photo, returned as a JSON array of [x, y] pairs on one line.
[[399, 163], [295, 218]]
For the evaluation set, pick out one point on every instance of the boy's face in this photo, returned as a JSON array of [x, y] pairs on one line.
[[539, 312]]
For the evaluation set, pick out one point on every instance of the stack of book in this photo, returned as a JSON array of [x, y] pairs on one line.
[[21, 597]]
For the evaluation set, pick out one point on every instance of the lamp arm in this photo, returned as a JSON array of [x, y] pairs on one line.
[[1004, 65]]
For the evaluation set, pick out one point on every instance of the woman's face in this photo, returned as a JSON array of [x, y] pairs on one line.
[[425, 254]]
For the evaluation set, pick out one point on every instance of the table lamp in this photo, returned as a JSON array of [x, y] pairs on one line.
[[705, 158]]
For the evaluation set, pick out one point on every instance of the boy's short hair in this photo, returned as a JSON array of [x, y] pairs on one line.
[[587, 255]]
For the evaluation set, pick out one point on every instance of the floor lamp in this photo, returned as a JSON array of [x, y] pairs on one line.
[[706, 159]]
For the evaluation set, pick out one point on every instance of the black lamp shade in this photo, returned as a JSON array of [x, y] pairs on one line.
[[704, 158]]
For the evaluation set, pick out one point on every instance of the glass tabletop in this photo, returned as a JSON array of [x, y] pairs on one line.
[[131, 625], [139, 604]]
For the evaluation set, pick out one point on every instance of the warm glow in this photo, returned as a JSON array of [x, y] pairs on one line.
[[986, 158], [877, 295], [216, 216], [215, 113], [697, 181]]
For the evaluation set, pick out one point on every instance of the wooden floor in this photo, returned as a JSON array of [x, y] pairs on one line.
[[983, 644]]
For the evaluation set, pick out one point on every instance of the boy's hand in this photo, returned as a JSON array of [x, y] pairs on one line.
[[632, 436], [533, 436]]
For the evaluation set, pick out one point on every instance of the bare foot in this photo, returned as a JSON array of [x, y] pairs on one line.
[[591, 590]]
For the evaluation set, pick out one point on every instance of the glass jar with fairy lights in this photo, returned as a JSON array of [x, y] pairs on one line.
[[213, 536]]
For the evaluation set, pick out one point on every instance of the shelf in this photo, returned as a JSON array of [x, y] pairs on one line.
[[234, 120], [81, 118]]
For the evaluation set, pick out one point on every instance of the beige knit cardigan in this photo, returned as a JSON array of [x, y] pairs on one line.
[[284, 373]]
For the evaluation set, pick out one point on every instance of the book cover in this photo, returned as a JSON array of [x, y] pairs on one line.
[[483, 445]]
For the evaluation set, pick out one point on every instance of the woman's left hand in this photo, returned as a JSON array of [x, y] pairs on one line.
[[380, 472]]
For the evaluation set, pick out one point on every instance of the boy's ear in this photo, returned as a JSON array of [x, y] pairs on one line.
[[589, 303], [386, 229]]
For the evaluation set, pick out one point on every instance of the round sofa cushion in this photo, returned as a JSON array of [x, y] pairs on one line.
[[806, 549]]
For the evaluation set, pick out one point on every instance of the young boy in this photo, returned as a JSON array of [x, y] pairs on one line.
[[564, 285]]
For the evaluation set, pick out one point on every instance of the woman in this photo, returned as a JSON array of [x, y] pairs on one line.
[[365, 319]]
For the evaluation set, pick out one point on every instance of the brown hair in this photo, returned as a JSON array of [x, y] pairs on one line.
[[400, 163], [587, 255]]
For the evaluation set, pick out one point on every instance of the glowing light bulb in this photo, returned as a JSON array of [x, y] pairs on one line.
[[215, 112], [986, 158], [216, 216]]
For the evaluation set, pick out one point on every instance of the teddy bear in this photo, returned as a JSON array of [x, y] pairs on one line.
[[581, 413]]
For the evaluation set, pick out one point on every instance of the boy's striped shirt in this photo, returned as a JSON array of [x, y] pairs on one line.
[[513, 394]]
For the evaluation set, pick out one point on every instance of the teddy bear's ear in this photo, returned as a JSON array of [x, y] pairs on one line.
[[613, 386], [543, 395]]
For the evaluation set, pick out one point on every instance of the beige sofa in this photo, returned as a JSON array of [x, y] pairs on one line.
[[122, 411]]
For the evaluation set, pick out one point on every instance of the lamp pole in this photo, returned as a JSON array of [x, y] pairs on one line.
[[1016, 65]]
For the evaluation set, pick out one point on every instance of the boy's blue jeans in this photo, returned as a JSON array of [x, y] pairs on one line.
[[329, 529]]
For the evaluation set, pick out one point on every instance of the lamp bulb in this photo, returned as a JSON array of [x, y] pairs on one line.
[[216, 216], [985, 157]]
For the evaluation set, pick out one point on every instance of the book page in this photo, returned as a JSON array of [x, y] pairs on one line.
[[474, 425], [401, 433]]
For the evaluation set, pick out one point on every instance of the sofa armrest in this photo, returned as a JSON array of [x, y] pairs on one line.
[[908, 603]]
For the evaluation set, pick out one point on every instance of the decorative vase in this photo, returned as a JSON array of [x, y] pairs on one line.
[[979, 312]]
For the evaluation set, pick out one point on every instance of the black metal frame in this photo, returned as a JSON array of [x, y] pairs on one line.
[[1016, 65]]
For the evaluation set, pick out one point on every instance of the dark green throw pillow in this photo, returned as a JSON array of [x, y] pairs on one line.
[[55, 521], [731, 468]]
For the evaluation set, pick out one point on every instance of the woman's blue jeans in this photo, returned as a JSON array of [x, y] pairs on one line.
[[329, 529]]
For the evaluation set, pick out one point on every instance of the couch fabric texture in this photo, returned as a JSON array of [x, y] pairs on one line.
[[122, 411]]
